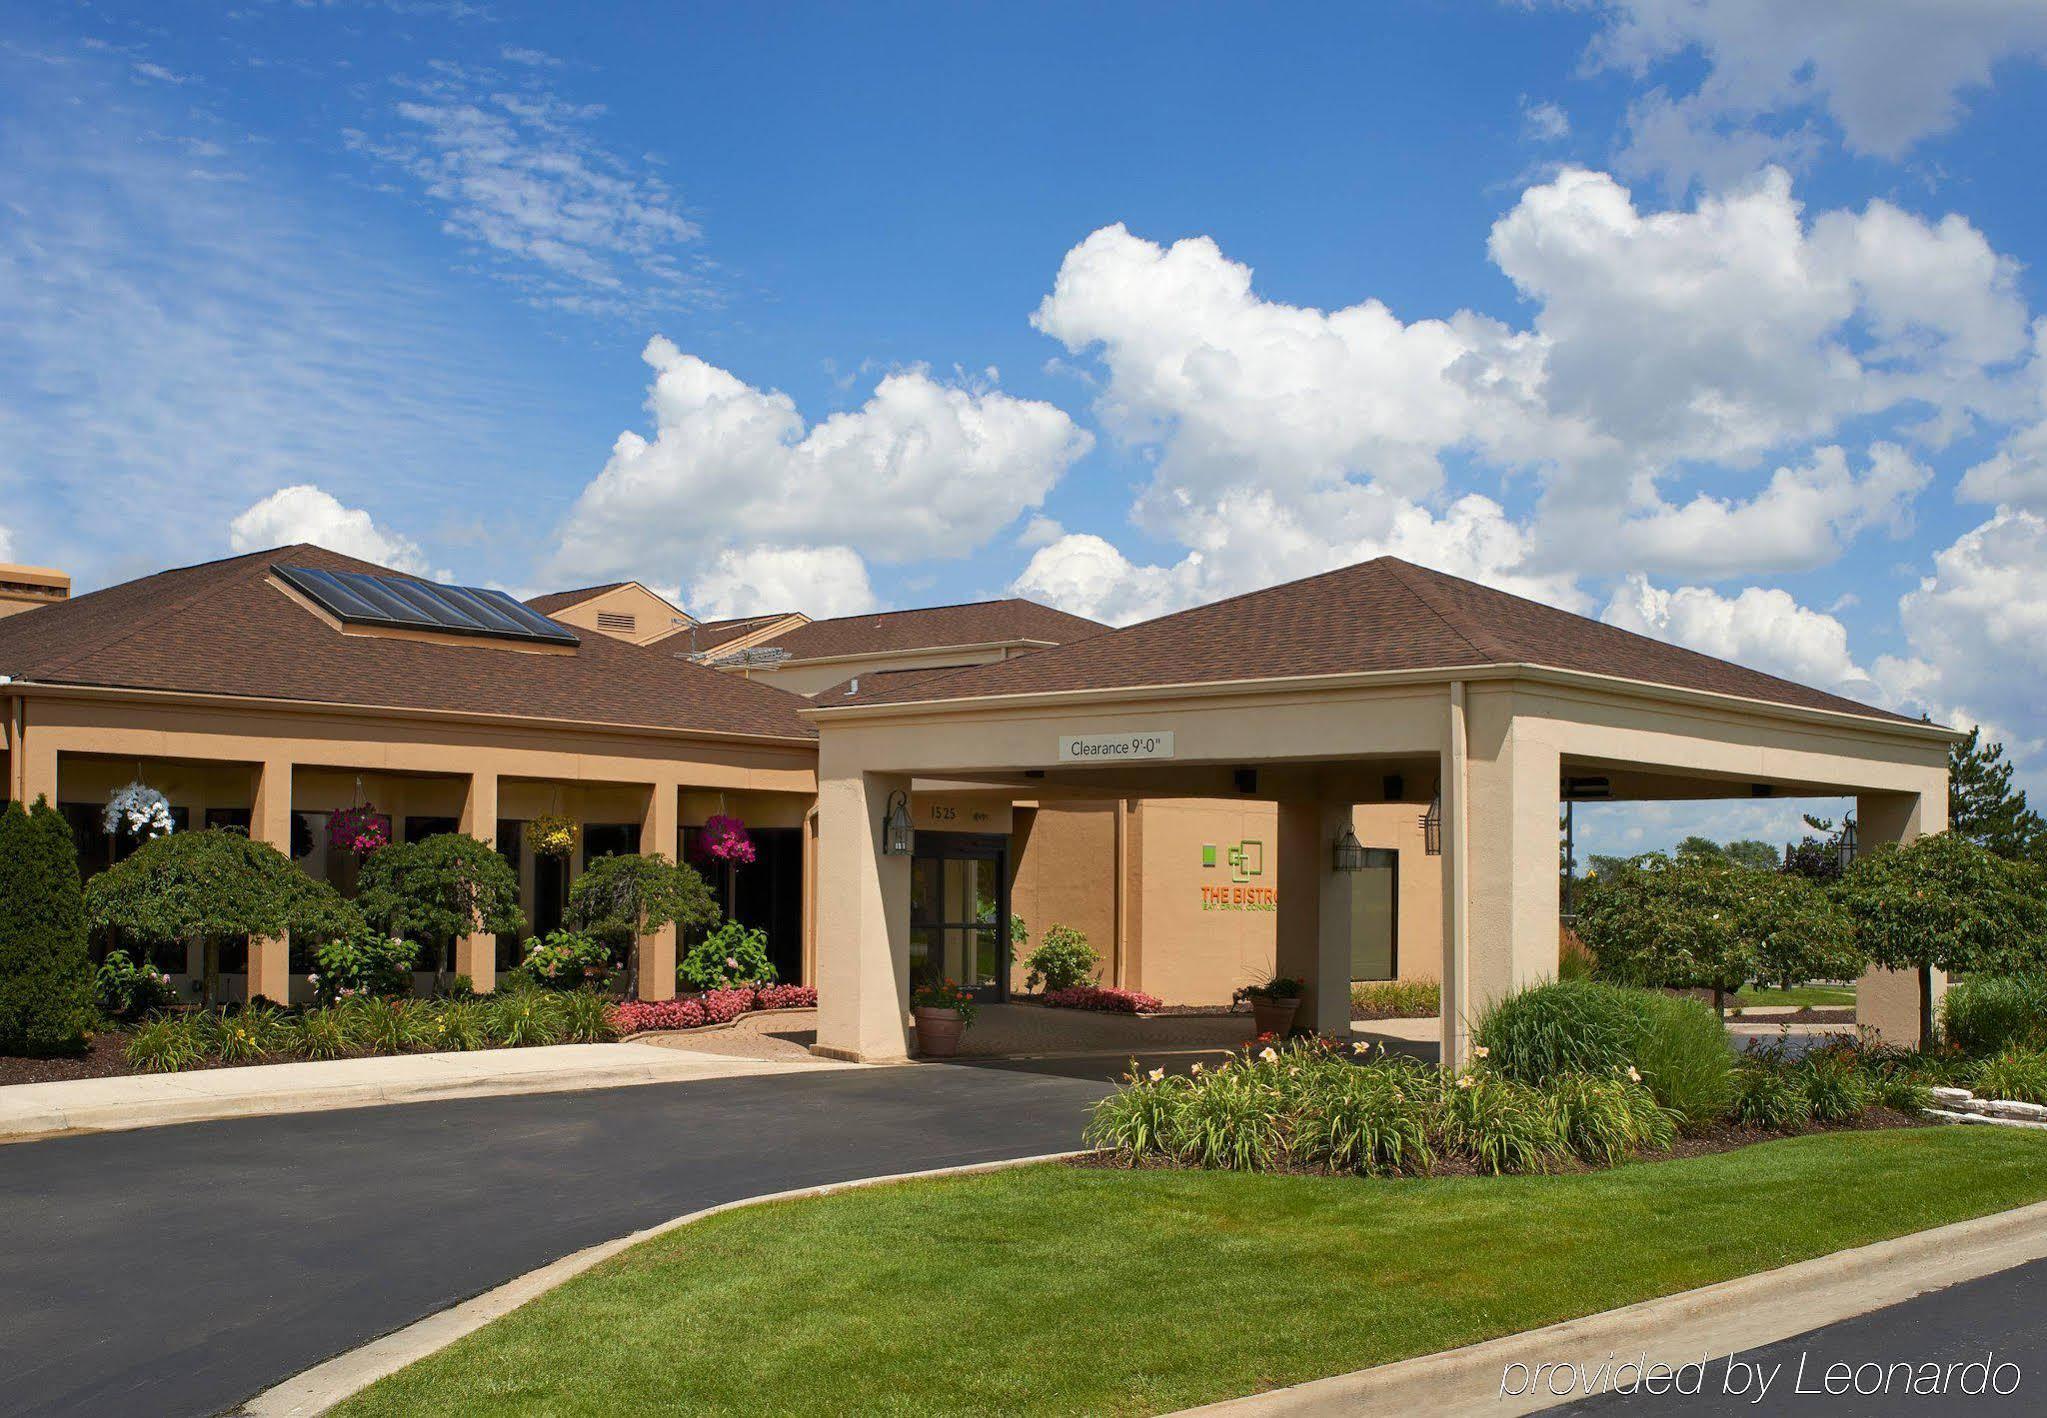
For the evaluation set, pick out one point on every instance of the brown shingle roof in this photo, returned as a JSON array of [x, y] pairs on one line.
[[1379, 615], [225, 628], [976, 623], [561, 600]]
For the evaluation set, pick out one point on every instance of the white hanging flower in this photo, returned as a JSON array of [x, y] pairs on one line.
[[138, 810]]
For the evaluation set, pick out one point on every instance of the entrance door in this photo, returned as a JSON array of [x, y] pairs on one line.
[[959, 912]]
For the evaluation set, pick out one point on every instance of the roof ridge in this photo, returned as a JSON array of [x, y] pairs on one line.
[[1481, 644], [949, 606], [128, 630]]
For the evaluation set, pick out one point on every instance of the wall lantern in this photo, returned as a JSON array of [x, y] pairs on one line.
[[1432, 826], [1850, 840], [1349, 854], [897, 836]]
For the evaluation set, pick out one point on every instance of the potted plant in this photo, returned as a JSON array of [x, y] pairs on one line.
[[943, 1011], [552, 835], [1274, 1003]]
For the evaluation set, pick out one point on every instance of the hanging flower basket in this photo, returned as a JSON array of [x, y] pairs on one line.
[[724, 840], [139, 811], [360, 830], [550, 835]]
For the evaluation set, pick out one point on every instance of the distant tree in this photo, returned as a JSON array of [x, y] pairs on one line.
[[1984, 807], [1752, 853], [439, 888], [627, 896], [1942, 902], [1698, 847], [46, 979], [211, 887], [1700, 921]]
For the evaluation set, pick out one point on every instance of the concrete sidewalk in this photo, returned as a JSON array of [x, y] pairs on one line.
[[33, 1110]]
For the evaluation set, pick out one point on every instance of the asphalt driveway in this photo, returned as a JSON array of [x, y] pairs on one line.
[[182, 1270]]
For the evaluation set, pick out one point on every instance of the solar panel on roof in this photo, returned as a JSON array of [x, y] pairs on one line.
[[358, 598]]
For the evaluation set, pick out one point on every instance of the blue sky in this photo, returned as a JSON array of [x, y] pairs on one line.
[[1712, 319]]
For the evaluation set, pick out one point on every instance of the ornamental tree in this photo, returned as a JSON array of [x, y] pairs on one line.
[[629, 895], [213, 886], [439, 888], [1942, 902], [46, 979], [1702, 922]]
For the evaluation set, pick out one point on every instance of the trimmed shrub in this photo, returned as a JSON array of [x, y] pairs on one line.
[[1681, 1050], [1395, 999], [565, 960], [2015, 1075], [1985, 1014], [1062, 961], [1104, 1001], [46, 977], [730, 956]]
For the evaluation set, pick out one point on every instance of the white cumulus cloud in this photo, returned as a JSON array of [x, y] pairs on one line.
[[1761, 627], [305, 513], [923, 469], [819, 581]]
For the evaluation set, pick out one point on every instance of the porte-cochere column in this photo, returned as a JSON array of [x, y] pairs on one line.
[[863, 922]]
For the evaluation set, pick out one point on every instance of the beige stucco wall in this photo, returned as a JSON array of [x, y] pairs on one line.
[[653, 618], [1064, 868]]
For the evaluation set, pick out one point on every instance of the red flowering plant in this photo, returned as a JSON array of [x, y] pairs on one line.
[[944, 994], [643, 1016], [725, 840], [785, 997], [1103, 1000], [360, 830]]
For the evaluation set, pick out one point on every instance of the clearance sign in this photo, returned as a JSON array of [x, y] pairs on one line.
[[1245, 890]]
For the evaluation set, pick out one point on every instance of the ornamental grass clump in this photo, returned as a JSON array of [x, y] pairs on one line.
[[1680, 1048], [1985, 1014], [244, 1036], [320, 1034], [1142, 1118], [1233, 1122], [1770, 1098], [1605, 1121], [1377, 1120], [165, 1045], [2016, 1075], [1396, 999], [526, 1020], [585, 1017], [1568, 1026], [1500, 1124], [1836, 1089]]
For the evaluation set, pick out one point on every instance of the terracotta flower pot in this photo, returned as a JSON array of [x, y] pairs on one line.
[[1274, 1016], [938, 1032]]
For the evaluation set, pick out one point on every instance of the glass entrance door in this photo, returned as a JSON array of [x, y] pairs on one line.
[[959, 912]]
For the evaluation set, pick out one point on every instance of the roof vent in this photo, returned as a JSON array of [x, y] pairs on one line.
[[853, 685], [617, 620]]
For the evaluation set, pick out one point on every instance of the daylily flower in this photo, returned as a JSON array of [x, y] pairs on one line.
[[1156, 1074], [1481, 1051], [1267, 1054], [1465, 1080], [1634, 1075]]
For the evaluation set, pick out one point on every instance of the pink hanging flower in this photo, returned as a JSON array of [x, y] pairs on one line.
[[360, 830], [725, 840]]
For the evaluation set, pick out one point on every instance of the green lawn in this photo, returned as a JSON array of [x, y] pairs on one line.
[[1056, 1290], [1818, 996]]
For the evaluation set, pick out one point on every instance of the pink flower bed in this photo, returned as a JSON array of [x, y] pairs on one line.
[[711, 1007], [1107, 1001]]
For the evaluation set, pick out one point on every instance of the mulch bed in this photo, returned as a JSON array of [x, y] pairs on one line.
[[104, 1057], [1722, 1137]]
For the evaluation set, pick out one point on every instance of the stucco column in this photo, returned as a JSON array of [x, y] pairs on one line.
[[270, 821], [863, 925], [1887, 1001], [34, 763], [1313, 925], [658, 835], [476, 955], [1507, 834]]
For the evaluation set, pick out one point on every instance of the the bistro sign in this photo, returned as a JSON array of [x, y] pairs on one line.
[[1114, 748]]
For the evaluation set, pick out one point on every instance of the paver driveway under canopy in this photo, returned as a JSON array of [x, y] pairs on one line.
[[1380, 682]]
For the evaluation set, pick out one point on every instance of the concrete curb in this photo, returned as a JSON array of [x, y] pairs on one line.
[[1710, 1322], [34, 1111], [321, 1387]]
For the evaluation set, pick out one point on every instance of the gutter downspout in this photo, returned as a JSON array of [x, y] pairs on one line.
[[1457, 886], [17, 758]]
